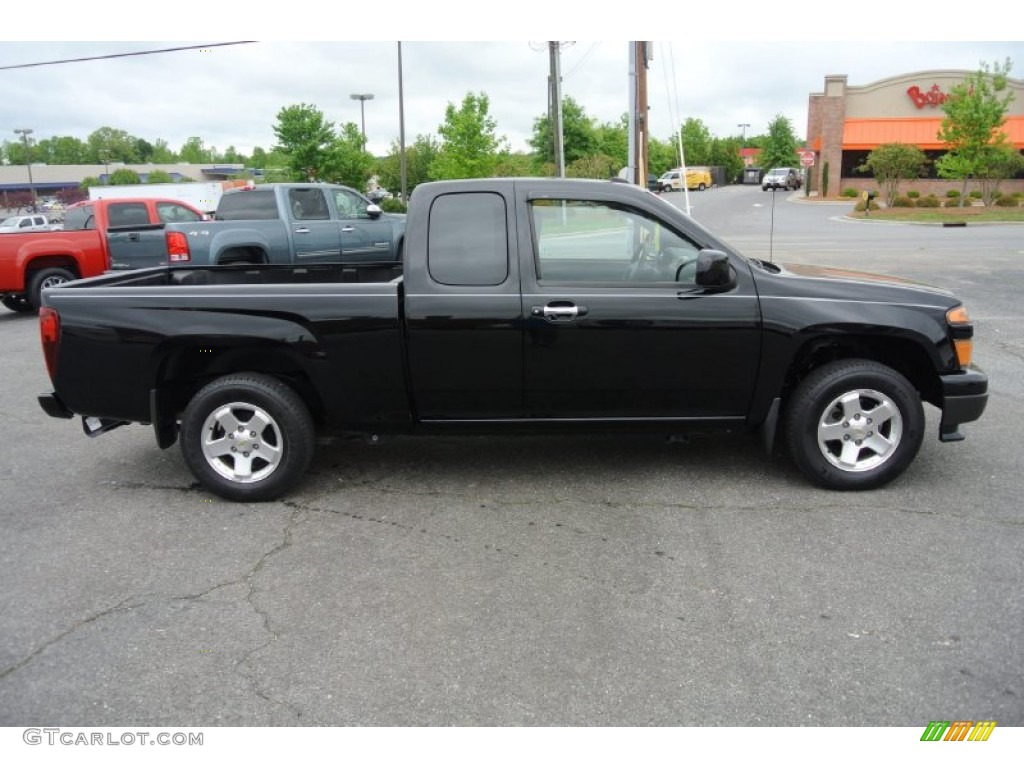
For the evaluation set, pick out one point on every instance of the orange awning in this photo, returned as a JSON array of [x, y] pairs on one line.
[[860, 133]]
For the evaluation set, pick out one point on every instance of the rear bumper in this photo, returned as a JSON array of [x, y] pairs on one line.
[[54, 406], [964, 397]]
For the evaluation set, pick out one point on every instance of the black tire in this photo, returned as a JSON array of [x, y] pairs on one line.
[[47, 277], [854, 425], [701, 187], [17, 302], [267, 428]]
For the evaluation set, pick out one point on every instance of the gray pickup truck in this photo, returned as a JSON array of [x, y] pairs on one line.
[[290, 224]]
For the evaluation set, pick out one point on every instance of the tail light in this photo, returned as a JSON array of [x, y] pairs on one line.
[[177, 247], [963, 333], [49, 331]]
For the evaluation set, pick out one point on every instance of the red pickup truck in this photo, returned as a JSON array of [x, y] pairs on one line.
[[98, 235]]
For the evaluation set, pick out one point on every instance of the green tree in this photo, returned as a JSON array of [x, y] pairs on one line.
[[124, 176], [419, 156], [975, 112], [725, 152], [194, 151], [159, 177], [613, 140], [661, 156], [305, 138], [259, 157], [696, 142], [779, 146], [162, 152], [592, 167], [579, 136], [512, 164], [469, 141], [61, 150], [89, 181], [144, 151], [893, 163], [347, 161], [110, 145]]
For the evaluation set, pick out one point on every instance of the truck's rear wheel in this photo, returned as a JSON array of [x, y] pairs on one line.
[[17, 302], [854, 425], [247, 437], [48, 277]]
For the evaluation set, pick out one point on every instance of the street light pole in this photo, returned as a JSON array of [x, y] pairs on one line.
[[401, 129], [362, 98], [743, 133], [28, 164]]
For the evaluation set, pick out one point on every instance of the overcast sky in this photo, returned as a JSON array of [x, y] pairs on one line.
[[231, 95]]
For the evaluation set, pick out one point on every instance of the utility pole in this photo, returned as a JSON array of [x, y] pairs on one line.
[[640, 55], [28, 163], [556, 106], [401, 128]]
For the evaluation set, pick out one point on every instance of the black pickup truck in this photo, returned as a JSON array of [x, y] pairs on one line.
[[537, 304]]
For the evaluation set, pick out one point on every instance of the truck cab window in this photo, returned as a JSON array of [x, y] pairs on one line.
[[308, 204], [349, 205], [589, 241], [467, 241], [171, 213], [78, 218]]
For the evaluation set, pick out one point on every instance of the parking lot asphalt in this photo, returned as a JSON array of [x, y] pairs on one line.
[[532, 580]]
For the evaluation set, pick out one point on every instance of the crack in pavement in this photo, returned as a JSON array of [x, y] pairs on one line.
[[247, 577], [70, 630]]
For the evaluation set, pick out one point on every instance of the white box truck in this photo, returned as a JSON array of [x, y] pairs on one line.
[[203, 195]]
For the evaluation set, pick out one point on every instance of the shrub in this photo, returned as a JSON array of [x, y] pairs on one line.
[[928, 201], [1017, 195], [1007, 201], [913, 194], [975, 194], [859, 207], [903, 201], [953, 194], [850, 192], [392, 205]]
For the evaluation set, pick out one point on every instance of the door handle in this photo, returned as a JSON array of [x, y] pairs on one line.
[[559, 312], [348, 229], [133, 237], [302, 231]]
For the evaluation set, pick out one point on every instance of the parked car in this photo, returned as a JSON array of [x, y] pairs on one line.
[[781, 178], [290, 224], [671, 181], [27, 223], [525, 304], [98, 235]]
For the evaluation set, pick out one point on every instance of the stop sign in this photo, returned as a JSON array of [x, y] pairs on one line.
[[806, 159]]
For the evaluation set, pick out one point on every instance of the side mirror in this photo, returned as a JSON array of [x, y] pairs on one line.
[[714, 274], [373, 211]]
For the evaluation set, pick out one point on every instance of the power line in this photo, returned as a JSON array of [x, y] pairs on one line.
[[123, 55]]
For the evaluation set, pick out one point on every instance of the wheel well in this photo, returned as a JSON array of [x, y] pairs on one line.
[[186, 369], [46, 262], [902, 355], [242, 254]]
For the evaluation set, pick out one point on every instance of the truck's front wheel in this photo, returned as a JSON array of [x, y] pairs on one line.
[[854, 425], [247, 437]]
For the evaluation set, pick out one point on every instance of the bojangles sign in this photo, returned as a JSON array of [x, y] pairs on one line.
[[922, 99]]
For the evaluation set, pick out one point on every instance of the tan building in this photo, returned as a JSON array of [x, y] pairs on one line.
[[845, 122], [49, 179]]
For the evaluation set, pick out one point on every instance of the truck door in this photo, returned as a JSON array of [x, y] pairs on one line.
[[462, 306], [132, 242], [617, 327], [314, 233], [363, 237]]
